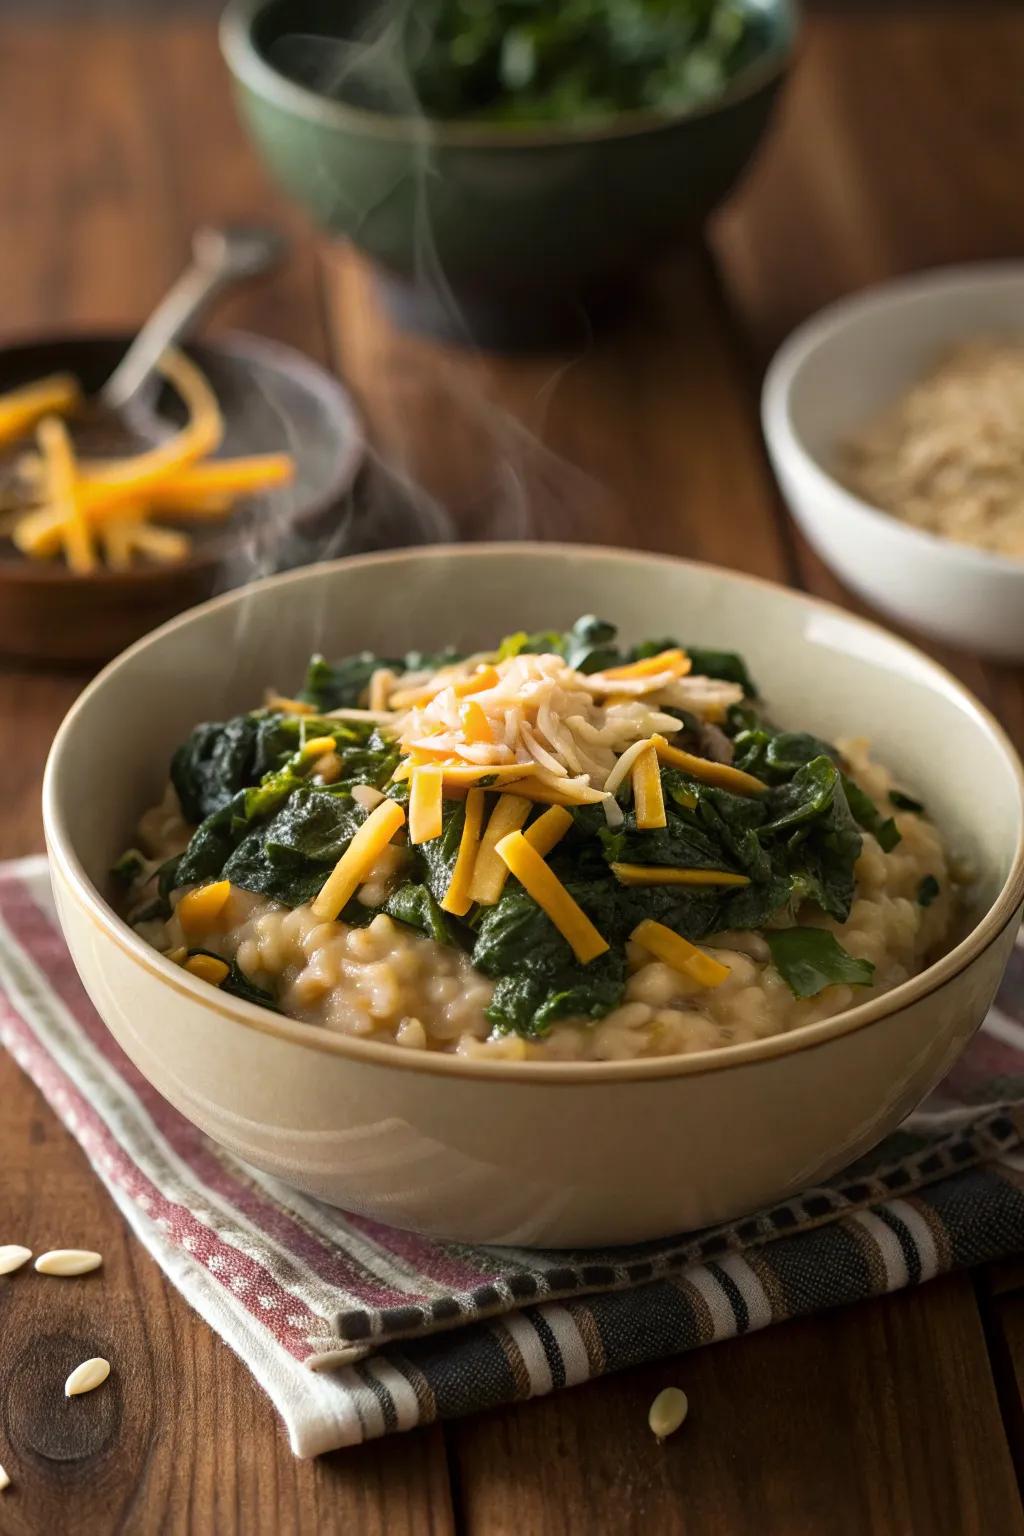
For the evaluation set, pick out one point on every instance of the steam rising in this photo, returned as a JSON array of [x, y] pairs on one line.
[[448, 457]]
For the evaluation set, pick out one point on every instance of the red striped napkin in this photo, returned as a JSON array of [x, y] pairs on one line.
[[356, 1329]]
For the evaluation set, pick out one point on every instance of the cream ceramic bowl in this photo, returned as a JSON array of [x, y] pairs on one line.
[[825, 382], [544, 1154]]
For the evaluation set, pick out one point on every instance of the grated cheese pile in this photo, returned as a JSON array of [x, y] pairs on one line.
[[534, 717]]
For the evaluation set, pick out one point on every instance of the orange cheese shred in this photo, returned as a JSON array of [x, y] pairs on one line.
[[475, 725], [666, 874], [426, 787], [22, 408], [548, 830], [675, 661], [679, 954], [551, 896], [457, 899], [648, 800], [356, 862], [490, 872], [720, 774]]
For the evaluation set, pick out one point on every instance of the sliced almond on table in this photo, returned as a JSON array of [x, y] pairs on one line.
[[12, 1257], [87, 1376], [5, 1481], [667, 1412], [68, 1261]]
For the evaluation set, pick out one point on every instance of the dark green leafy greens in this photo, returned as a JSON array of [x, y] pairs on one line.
[[266, 823], [516, 61], [238, 984], [812, 959], [927, 891], [904, 802], [868, 816], [343, 684]]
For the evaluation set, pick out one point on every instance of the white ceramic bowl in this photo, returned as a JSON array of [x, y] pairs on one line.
[[825, 382], [551, 1154]]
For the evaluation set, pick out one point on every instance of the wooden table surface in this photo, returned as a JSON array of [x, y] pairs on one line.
[[900, 144]]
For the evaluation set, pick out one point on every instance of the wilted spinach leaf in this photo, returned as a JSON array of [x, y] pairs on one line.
[[415, 905], [438, 857], [289, 857], [904, 802], [221, 757], [810, 959], [341, 684], [868, 816], [927, 891], [237, 984], [588, 647], [538, 978], [128, 867], [725, 665]]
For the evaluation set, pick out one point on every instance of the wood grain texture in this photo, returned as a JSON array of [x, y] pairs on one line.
[[899, 147], [808, 1427], [876, 1419], [126, 139], [180, 1439], [631, 441]]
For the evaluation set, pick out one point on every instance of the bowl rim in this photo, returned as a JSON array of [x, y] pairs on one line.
[[981, 937], [785, 441], [257, 74], [249, 347]]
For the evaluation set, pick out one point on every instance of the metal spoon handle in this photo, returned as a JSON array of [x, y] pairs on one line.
[[220, 258]]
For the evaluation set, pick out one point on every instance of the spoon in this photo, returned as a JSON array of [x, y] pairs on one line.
[[119, 417], [221, 257]]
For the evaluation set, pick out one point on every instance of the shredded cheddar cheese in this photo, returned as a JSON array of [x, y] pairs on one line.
[[316, 746], [666, 874], [548, 830], [199, 907], [648, 800], [64, 489], [425, 802], [674, 661], [22, 408], [472, 773], [208, 968], [679, 954], [164, 545], [475, 725], [552, 897], [355, 863], [720, 774], [286, 706], [457, 899], [106, 504], [490, 871]]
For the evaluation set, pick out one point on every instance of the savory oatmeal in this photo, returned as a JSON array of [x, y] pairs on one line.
[[556, 850]]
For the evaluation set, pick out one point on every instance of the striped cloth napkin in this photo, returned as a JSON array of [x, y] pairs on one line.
[[400, 1330]]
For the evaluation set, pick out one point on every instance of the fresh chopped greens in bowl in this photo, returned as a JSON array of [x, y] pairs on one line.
[[528, 61]]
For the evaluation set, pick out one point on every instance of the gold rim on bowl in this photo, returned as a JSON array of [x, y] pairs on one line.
[[807, 1037]]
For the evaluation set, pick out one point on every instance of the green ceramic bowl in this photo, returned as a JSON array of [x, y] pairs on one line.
[[485, 218]]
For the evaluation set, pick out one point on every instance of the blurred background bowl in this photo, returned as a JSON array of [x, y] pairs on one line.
[[826, 382], [491, 228], [272, 397]]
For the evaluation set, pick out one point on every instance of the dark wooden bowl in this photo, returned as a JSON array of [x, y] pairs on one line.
[[272, 398]]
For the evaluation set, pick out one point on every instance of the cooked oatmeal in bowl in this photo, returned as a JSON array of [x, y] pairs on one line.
[[582, 1020], [556, 850]]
